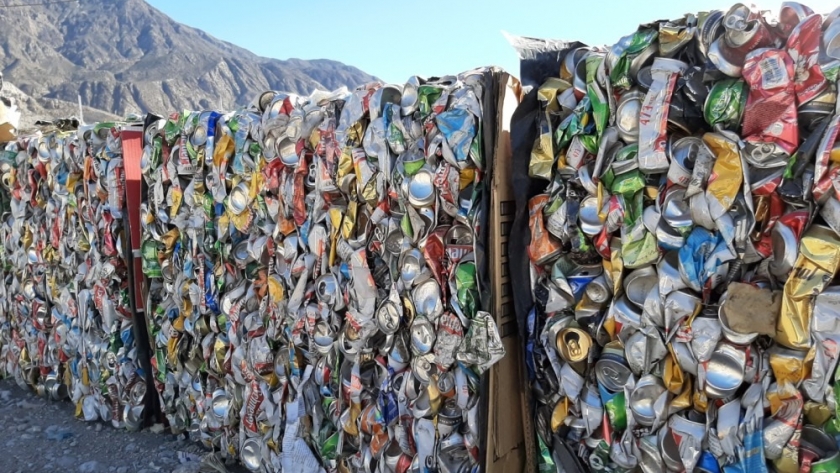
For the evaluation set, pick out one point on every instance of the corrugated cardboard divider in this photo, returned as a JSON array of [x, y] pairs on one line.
[[508, 449]]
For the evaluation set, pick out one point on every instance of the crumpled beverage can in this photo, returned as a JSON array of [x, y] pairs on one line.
[[819, 257], [615, 405], [824, 175], [744, 31], [825, 465], [784, 422], [653, 115], [543, 248], [785, 237], [633, 50], [707, 463], [804, 45], [725, 103], [770, 126], [826, 342], [689, 437]]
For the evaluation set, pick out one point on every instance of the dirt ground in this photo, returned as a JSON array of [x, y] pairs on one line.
[[42, 436]]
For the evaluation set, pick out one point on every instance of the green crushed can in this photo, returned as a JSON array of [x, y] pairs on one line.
[[725, 103], [641, 40]]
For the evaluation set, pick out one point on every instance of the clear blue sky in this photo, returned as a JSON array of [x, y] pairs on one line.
[[396, 39]]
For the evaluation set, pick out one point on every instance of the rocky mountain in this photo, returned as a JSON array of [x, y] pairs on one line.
[[125, 56]]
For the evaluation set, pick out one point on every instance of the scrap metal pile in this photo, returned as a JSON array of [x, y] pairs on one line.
[[315, 297], [685, 248], [65, 316]]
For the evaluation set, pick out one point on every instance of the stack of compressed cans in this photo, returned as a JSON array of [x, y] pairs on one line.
[[685, 247], [313, 289], [66, 322]]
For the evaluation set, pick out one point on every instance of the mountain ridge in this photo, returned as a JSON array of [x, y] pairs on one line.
[[124, 56]]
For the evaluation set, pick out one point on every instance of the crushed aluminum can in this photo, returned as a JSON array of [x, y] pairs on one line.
[[831, 40], [689, 437], [653, 115], [771, 137], [638, 284], [627, 113], [792, 14], [785, 241], [725, 103], [670, 450], [745, 31], [803, 44], [819, 256], [723, 59], [543, 247], [683, 154], [831, 463], [724, 371], [644, 399], [573, 345]]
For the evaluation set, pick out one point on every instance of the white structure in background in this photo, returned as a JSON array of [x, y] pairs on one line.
[[9, 116]]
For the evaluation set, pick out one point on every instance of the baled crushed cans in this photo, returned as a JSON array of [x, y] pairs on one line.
[[66, 321], [315, 299], [685, 250]]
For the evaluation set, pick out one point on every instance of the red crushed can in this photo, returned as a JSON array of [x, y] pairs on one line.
[[745, 31], [773, 210], [770, 113], [790, 15], [803, 46], [824, 174]]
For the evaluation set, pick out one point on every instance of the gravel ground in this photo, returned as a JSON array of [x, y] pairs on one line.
[[41, 436]]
